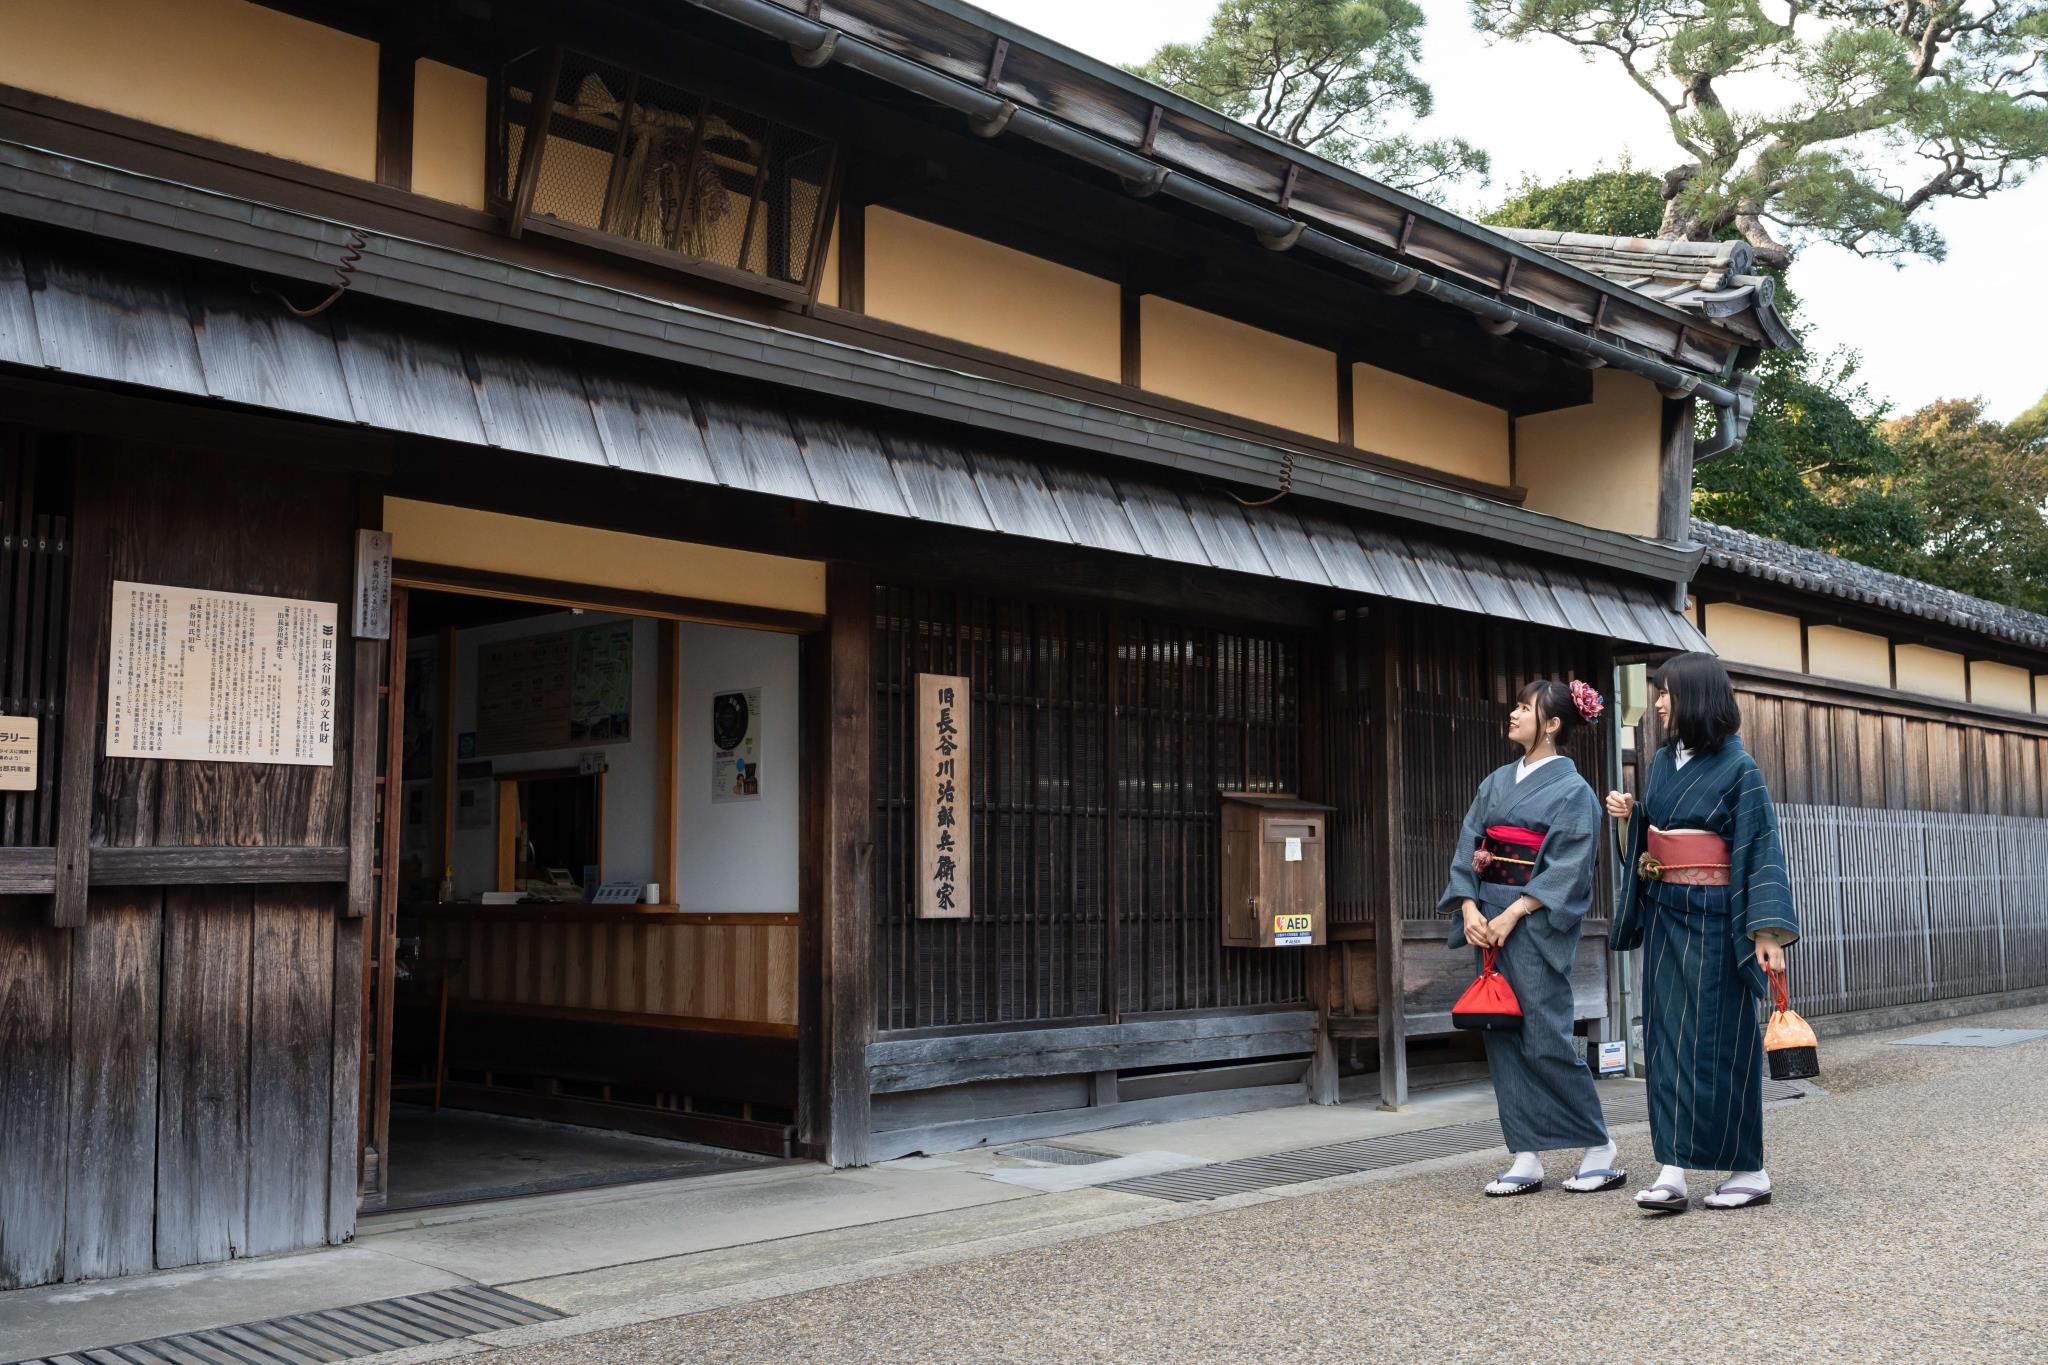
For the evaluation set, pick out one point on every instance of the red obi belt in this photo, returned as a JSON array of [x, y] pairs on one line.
[[1506, 854], [1685, 857]]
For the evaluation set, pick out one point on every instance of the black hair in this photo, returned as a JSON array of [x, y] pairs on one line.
[[1703, 707], [1552, 700]]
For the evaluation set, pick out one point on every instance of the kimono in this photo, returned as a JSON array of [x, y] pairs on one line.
[[1540, 1079], [1701, 983]]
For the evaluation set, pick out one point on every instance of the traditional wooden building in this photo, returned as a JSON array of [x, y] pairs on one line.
[[1904, 730], [753, 400]]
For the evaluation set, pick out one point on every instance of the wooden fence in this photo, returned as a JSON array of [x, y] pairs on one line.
[[1900, 907]]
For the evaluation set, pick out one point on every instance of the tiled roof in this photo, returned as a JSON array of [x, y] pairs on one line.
[[1828, 575], [1714, 279]]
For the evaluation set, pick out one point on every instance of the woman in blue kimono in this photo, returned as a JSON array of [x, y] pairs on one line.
[[1521, 883], [1706, 897]]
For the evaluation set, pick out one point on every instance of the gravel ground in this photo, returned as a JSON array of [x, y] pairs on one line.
[[1907, 1223]]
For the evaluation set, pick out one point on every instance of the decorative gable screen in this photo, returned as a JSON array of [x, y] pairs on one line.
[[637, 165]]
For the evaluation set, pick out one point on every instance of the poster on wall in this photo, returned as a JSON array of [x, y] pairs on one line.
[[736, 745], [553, 691], [944, 758], [226, 676]]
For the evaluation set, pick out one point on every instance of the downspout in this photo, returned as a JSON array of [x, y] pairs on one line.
[[815, 44]]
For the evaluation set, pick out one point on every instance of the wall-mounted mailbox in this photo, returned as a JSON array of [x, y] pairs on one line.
[[1273, 864]]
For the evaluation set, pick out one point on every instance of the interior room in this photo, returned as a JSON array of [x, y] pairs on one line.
[[593, 955]]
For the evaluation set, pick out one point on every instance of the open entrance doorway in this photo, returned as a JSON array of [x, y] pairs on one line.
[[583, 967]]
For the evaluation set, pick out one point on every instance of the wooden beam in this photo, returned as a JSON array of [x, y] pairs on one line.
[[853, 251], [193, 865], [415, 573], [446, 775], [1385, 817], [84, 673], [849, 866], [814, 757], [540, 113], [395, 87], [1674, 479]]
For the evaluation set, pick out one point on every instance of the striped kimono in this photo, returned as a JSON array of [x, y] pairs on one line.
[[1701, 981], [1541, 1084]]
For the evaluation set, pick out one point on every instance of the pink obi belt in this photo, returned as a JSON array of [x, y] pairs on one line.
[[1506, 854], [1686, 857]]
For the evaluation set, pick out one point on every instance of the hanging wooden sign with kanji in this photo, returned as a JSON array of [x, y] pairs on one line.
[[944, 840]]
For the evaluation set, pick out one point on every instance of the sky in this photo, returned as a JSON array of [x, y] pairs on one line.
[[1965, 327]]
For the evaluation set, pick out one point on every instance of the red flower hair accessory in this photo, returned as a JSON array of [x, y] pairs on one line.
[[1481, 860], [1588, 701]]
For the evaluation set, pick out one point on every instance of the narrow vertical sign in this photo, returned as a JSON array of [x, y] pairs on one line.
[[944, 841], [373, 585]]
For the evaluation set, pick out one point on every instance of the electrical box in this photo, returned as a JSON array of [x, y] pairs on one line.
[[1273, 871]]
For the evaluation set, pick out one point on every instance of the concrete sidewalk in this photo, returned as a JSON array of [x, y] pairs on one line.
[[636, 1262]]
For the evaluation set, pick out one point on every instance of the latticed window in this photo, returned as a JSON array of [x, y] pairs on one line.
[[664, 172]]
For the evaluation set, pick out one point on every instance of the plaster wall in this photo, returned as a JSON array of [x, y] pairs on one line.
[[1406, 419], [1219, 363], [1768, 639], [2001, 685], [1933, 672], [448, 133], [1851, 655], [1596, 464]]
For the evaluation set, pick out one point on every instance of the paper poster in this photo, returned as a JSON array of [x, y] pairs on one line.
[[18, 740], [736, 745], [541, 692], [225, 676]]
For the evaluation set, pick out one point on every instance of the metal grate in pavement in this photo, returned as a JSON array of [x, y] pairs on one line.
[[1366, 1154], [1973, 1037], [331, 1334], [1054, 1156]]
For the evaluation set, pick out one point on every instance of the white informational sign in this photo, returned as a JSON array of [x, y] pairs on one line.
[[18, 737], [373, 585], [225, 676], [736, 745]]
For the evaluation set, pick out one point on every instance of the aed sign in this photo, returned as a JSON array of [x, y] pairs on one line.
[[1610, 1058], [1293, 931]]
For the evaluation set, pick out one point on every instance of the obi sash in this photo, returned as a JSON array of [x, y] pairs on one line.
[[1506, 854], [1687, 857]]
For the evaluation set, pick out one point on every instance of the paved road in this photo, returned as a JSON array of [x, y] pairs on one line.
[[1910, 1223]]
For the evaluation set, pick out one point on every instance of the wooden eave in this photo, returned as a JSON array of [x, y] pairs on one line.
[[1099, 99]]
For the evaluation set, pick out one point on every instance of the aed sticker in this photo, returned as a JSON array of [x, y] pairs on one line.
[[1294, 924], [1293, 940], [1613, 1058], [1293, 854]]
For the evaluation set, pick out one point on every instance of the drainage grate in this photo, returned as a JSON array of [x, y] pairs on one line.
[[1366, 1154], [1973, 1037], [332, 1334], [1055, 1156]]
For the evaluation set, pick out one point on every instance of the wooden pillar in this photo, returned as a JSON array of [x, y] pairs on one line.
[[847, 1003], [1386, 816], [1317, 716]]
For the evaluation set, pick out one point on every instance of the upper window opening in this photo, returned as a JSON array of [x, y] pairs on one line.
[[670, 170]]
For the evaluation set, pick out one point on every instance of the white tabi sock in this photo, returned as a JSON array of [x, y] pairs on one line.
[[1525, 1165], [1671, 1175], [1599, 1158], [1741, 1180]]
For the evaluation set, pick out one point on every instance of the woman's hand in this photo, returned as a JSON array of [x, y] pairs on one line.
[[1620, 805], [1478, 932], [1770, 955]]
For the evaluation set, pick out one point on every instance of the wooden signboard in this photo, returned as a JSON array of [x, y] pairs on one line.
[[944, 837], [226, 676]]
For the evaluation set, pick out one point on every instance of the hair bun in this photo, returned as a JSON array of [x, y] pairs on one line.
[[1588, 701]]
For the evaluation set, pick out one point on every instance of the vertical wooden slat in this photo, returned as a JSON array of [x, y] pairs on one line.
[[35, 1041], [290, 1094], [202, 1172], [114, 965], [667, 709], [1387, 821]]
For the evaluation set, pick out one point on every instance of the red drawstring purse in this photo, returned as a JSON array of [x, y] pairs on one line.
[[1488, 1002]]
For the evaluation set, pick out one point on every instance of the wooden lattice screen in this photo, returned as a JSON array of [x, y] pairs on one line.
[[1095, 824], [35, 576]]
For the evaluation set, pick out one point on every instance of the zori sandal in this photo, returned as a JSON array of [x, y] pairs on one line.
[[1674, 1201], [1608, 1180], [1524, 1184], [1751, 1198]]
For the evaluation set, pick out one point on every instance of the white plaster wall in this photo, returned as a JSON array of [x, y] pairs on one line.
[[737, 855]]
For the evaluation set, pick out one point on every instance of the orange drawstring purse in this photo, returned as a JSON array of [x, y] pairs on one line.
[[1789, 1044]]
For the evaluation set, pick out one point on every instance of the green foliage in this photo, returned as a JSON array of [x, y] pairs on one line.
[[1981, 488], [1335, 76], [1841, 122], [1623, 202]]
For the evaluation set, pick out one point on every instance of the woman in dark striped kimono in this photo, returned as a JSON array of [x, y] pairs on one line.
[[1705, 895], [1521, 882]]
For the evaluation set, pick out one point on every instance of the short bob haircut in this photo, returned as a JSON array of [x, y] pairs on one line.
[[1703, 708]]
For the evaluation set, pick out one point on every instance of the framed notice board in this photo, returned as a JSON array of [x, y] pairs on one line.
[[555, 691]]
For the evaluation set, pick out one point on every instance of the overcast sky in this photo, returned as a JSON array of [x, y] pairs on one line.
[[1968, 326]]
